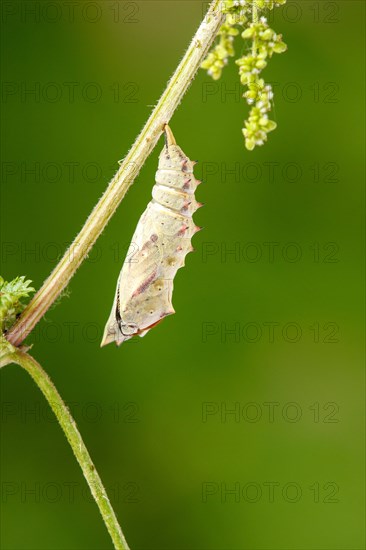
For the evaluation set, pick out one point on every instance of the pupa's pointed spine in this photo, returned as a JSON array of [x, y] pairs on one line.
[[174, 191]]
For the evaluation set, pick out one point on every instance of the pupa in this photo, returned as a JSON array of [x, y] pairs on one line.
[[162, 240]]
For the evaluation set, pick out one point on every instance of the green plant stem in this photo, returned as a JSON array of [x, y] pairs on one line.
[[124, 177], [254, 20], [72, 433]]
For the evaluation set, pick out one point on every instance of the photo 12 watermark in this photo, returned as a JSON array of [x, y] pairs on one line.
[[269, 412], [270, 332], [71, 11], [65, 492], [253, 492]]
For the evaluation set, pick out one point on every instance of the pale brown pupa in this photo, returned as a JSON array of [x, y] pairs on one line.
[[162, 240]]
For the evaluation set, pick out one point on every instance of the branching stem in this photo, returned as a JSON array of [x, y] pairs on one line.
[[78, 251], [124, 177]]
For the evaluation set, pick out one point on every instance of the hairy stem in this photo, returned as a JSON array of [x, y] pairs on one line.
[[124, 177], [72, 433]]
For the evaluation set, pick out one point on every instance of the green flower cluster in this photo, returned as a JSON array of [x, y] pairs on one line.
[[236, 15], [218, 58], [265, 42], [11, 295]]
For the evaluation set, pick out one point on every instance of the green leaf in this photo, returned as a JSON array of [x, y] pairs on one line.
[[11, 295]]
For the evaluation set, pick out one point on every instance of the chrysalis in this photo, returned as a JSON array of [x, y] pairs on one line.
[[162, 240]]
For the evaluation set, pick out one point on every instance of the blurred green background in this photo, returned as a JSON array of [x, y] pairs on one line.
[[285, 469]]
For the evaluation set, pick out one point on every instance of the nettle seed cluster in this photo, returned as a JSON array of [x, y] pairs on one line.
[[248, 16]]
